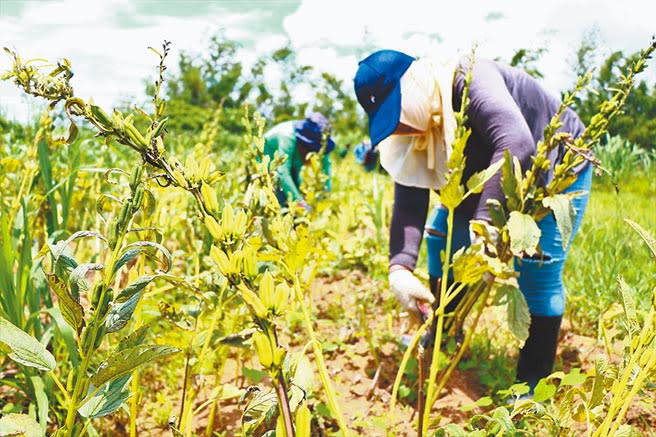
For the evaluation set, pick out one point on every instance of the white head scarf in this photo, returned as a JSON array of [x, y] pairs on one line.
[[420, 160]]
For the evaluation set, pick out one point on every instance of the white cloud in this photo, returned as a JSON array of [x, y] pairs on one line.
[[414, 26], [112, 62]]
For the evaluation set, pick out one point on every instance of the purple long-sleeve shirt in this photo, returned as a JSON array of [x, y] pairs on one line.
[[508, 110]]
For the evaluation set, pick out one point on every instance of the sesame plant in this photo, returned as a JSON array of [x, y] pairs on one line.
[[175, 248], [242, 236]]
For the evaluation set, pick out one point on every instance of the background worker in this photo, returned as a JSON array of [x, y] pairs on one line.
[[295, 139]]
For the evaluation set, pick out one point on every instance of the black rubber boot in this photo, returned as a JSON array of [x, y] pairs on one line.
[[536, 358]]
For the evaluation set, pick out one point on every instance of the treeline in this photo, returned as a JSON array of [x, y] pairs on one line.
[[203, 83]]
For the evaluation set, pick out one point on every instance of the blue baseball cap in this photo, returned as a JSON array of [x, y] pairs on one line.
[[378, 88], [311, 130]]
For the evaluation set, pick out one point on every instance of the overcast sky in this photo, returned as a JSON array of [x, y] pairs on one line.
[[106, 40]]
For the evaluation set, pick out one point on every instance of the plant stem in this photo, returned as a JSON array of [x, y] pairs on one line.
[[283, 403], [431, 395], [321, 365], [421, 404]]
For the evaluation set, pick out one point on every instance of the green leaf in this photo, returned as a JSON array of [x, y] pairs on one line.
[[253, 375], [574, 377], [25, 349], [524, 234], [477, 181], [453, 430], [125, 361], [70, 308], [107, 400], [519, 318], [19, 425], [543, 391], [135, 338], [41, 400], [509, 184], [66, 333], [629, 304], [485, 401], [649, 239], [120, 315], [601, 365], [502, 417], [564, 213], [141, 283], [126, 257]]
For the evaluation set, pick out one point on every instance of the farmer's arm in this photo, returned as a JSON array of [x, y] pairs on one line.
[[287, 147], [407, 228], [497, 119], [327, 170]]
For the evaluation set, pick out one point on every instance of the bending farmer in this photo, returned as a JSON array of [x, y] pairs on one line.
[[410, 103], [295, 139]]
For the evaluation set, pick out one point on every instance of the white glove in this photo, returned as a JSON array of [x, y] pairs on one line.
[[408, 289]]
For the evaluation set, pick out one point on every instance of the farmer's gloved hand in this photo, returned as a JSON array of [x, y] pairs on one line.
[[303, 204], [408, 289]]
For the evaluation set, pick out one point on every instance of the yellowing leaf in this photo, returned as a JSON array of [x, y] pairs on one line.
[[71, 310], [19, 425], [564, 213], [477, 181], [524, 234]]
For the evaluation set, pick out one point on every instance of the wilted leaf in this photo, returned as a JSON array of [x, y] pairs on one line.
[[125, 361], [107, 400], [61, 246], [564, 213], [120, 314], [134, 249], [524, 234], [79, 273], [70, 309], [19, 425], [25, 349], [477, 181]]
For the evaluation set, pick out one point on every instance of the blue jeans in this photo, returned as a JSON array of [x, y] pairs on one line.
[[540, 280]]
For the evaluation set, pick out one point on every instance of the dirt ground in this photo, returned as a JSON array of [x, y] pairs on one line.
[[364, 383]]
